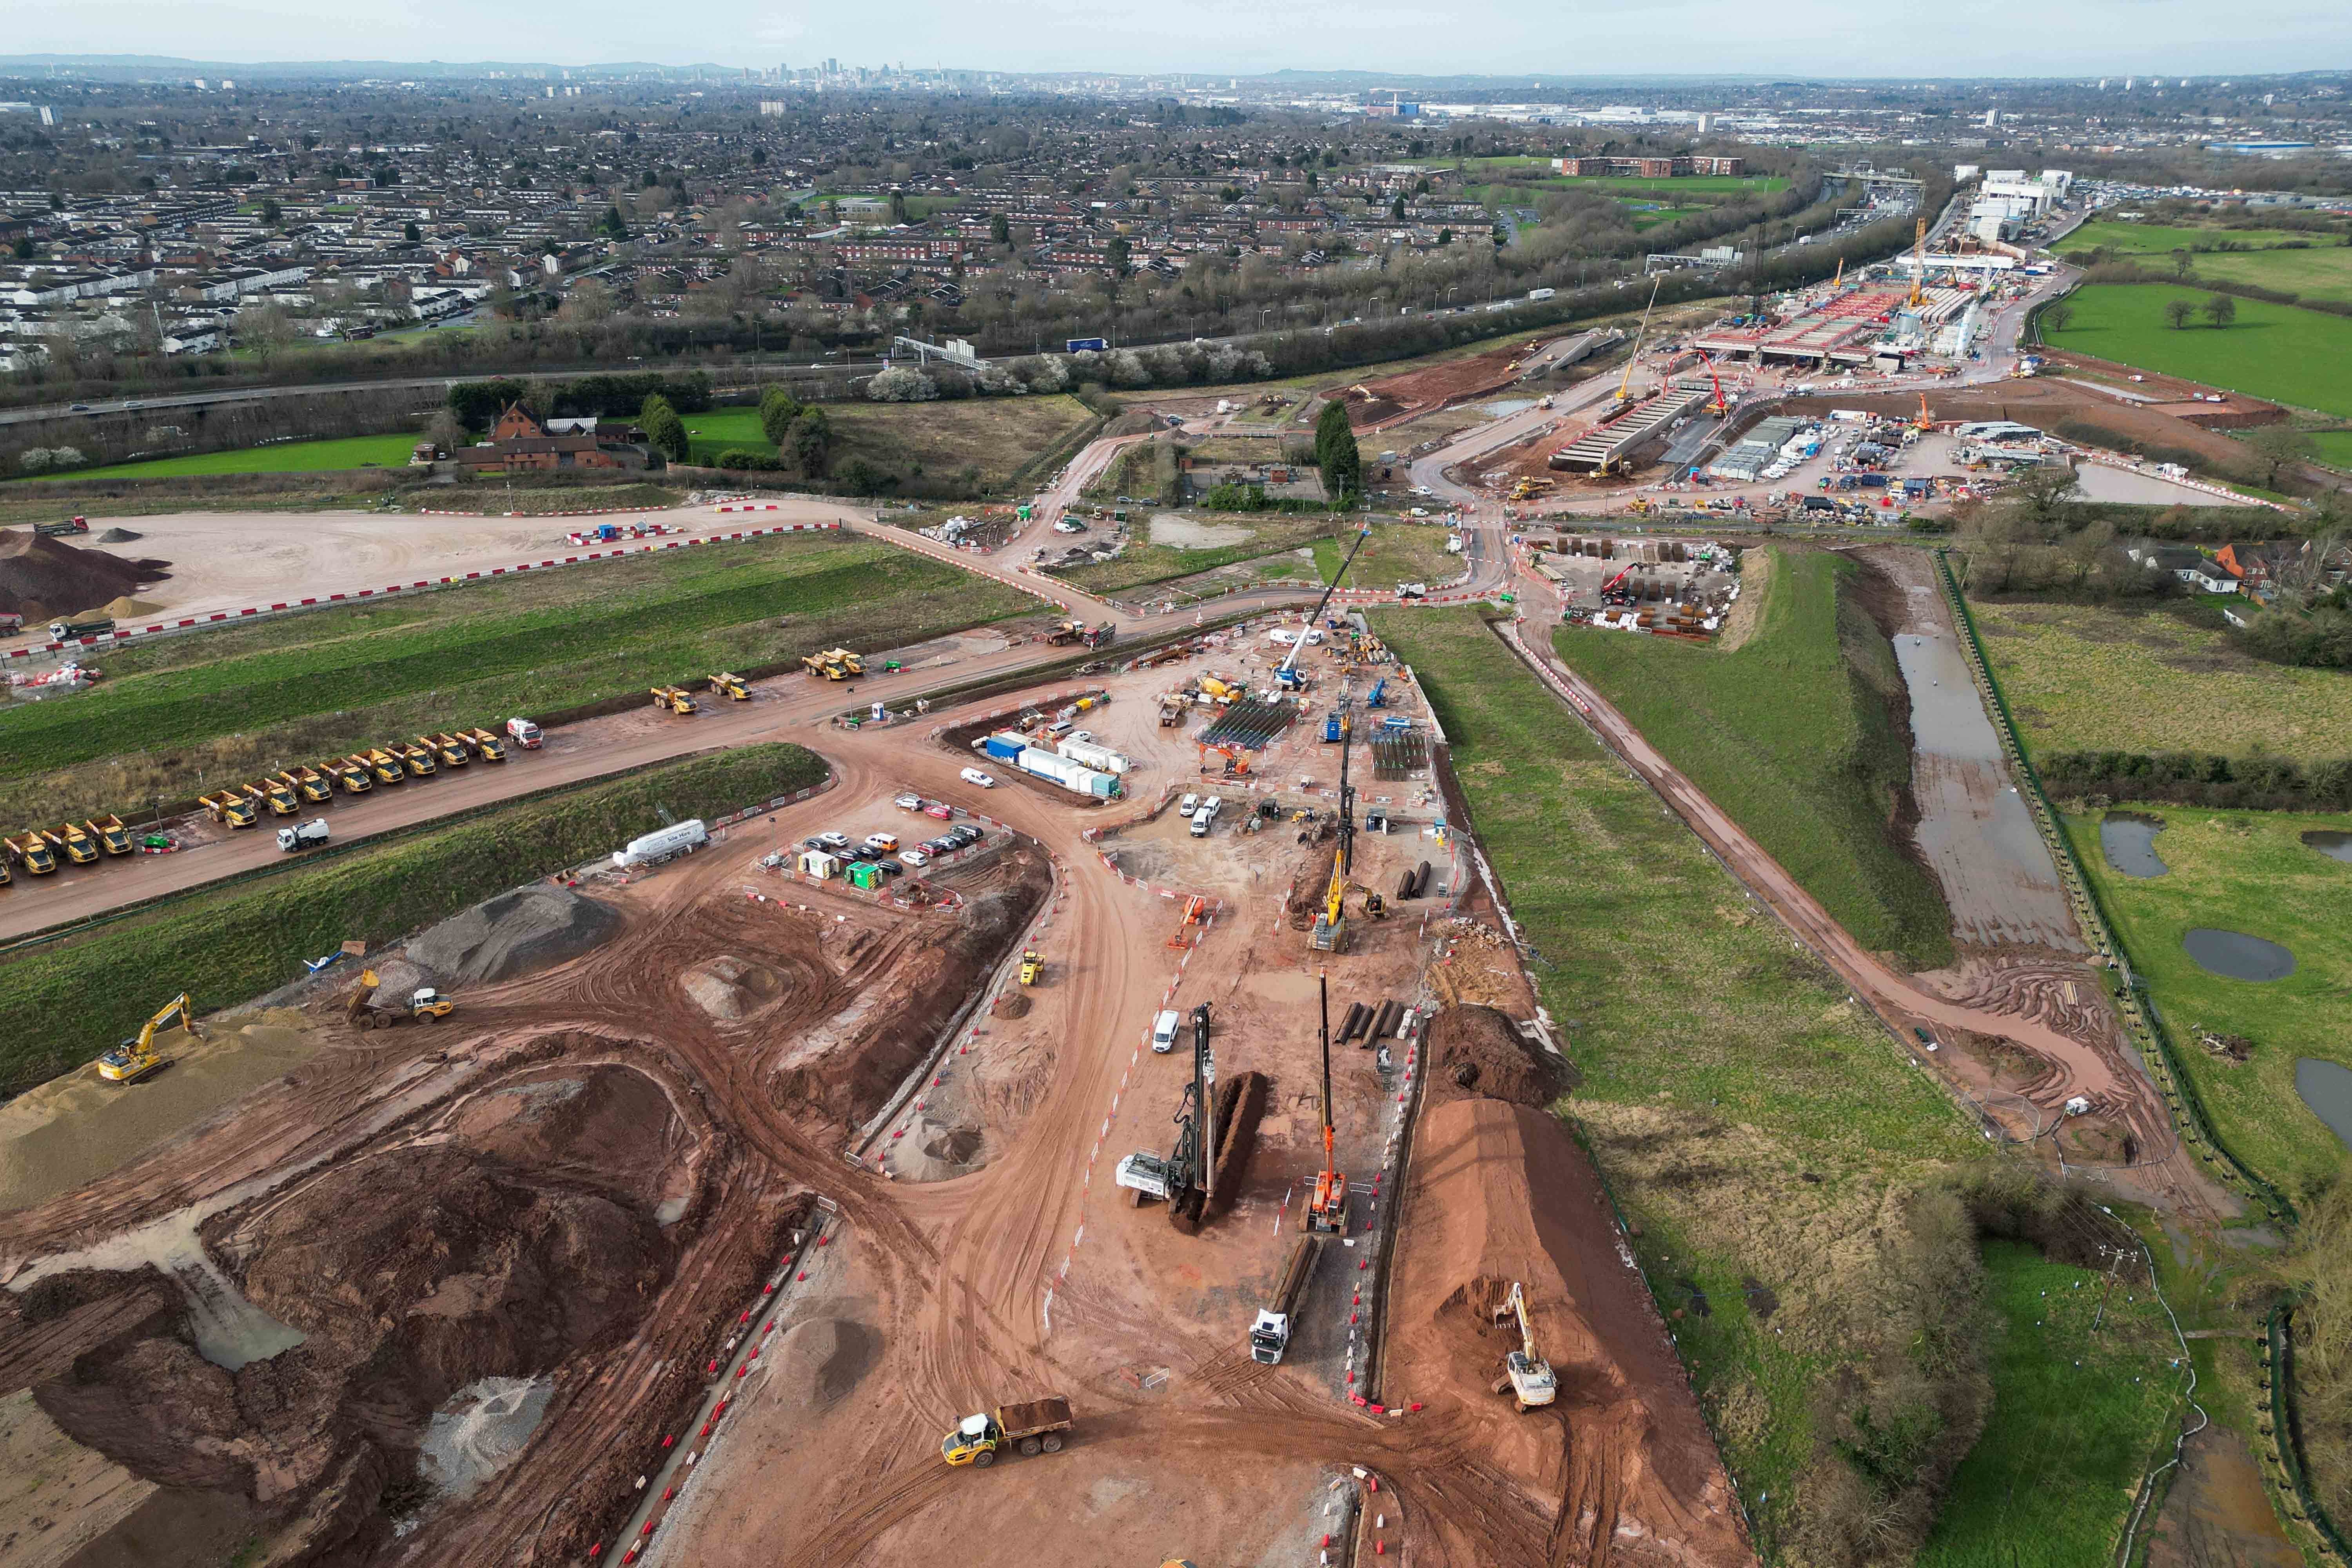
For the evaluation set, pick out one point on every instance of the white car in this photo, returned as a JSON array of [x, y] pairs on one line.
[[913, 859], [1188, 806], [908, 803], [974, 777]]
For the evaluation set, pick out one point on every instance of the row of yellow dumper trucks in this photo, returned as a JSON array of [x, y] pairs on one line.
[[286, 793]]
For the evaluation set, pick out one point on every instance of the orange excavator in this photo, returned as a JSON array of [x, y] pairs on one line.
[[1326, 1210]]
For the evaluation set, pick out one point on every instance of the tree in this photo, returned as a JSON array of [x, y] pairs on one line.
[[411, 233], [2280, 447], [272, 214], [2183, 264], [1116, 253], [1444, 236], [2177, 313], [898, 207], [1000, 229], [2220, 309], [778, 409], [613, 225], [1396, 210], [2058, 315], [812, 443], [1336, 455], [663, 429]]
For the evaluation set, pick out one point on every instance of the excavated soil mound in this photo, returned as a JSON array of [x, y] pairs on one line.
[[124, 608], [1498, 1193], [1012, 1004], [1476, 1050], [1311, 885], [44, 576], [817, 1363], [117, 536], [729, 988], [415, 1275], [512, 934]]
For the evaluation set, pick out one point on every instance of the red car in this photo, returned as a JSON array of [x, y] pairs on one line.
[[939, 809]]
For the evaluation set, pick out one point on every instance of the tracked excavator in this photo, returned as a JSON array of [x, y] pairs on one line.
[[1330, 933], [1526, 1375], [134, 1059]]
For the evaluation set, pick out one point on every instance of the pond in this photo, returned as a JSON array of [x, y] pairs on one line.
[[2326, 1088], [2335, 846], [2128, 841], [2234, 955]]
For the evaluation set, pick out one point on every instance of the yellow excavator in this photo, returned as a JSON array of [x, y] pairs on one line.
[[1526, 1374], [134, 1059]]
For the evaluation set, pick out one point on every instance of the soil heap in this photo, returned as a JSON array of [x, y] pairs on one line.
[[1497, 1194], [1476, 1051], [514, 934], [40, 576]]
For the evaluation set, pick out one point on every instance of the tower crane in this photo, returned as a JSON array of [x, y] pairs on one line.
[[1920, 265], [1625, 381], [1327, 1209]]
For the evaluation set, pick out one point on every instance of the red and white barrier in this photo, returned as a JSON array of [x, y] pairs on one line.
[[218, 617]]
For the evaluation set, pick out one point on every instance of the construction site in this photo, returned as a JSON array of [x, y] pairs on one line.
[[1115, 1138]]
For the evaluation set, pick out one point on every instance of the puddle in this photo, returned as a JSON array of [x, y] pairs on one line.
[[480, 1430], [2128, 841], [2335, 846], [1509, 405], [2326, 1088], [2234, 955]]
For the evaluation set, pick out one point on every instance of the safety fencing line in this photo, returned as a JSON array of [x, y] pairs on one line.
[[1127, 1075], [290, 607], [637, 1530], [582, 511], [1380, 1235]]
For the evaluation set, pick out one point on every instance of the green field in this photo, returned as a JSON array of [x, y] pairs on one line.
[[2078, 1414], [2086, 678], [2277, 352], [282, 458], [183, 714], [1396, 552], [2162, 239], [984, 441], [1747, 1114], [2246, 871], [66, 1004], [1791, 734], [1141, 563], [2335, 447]]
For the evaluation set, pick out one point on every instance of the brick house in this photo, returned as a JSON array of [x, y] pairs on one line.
[[519, 443]]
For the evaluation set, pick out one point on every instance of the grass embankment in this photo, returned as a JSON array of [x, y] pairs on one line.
[[1143, 562], [183, 714], [1749, 1117], [981, 440], [1396, 552], [66, 1004], [1791, 1177], [2082, 1383], [278, 458], [1794, 734], [2089, 678], [2277, 352], [2246, 871]]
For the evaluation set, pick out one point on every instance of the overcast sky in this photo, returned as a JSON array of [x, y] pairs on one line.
[[1812, 38]]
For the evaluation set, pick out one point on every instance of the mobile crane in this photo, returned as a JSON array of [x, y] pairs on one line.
[[1529, 1375], [1327, 1209], [1330, 934], [1920, 265], [1285, 674]]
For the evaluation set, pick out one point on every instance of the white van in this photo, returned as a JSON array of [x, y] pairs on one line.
[[974, 777], [1200, 822], [1189, 805], [1211, 806], [1163, 1031]]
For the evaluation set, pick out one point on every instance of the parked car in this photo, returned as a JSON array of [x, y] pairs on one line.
[[908, 803], [1188, 806], [939, 809], [835, 842], [886, 841], [974, 777], [915, 858], [1163, 1031]]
